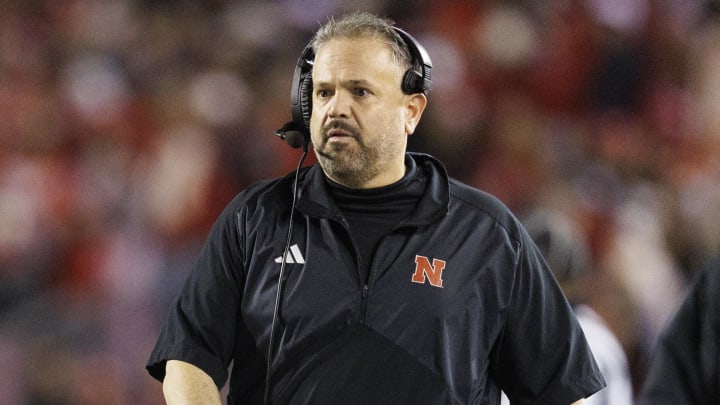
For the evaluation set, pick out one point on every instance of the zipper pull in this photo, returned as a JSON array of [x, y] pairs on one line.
[[364, 291]]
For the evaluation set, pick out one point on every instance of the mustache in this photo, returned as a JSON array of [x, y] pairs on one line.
[[341, 125]]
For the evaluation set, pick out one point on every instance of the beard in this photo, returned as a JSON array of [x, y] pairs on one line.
[[355, 162]]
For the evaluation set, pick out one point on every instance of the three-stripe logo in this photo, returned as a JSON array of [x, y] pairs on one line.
[[294, 255]]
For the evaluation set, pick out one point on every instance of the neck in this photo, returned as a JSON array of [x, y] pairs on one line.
[[386, 176]]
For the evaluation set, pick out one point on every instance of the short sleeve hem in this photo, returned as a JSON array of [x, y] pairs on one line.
[[195, 356]]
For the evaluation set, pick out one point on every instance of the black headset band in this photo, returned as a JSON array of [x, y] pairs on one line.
[[419, 56]]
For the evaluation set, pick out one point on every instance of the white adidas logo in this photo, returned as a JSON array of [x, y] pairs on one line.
[[293, 256]]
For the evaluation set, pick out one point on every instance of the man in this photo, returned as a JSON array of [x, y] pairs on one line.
[[402, 286], [685, 368]]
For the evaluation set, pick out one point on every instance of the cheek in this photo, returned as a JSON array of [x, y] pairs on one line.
[[315, 126], [394, 122]]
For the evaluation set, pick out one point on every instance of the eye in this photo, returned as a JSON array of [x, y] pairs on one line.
[[322, 93], [362, 92]]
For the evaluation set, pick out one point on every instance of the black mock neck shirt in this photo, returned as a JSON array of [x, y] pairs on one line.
[[373, 213]]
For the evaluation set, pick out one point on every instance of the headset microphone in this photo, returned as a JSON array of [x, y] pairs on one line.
[[292, 135]]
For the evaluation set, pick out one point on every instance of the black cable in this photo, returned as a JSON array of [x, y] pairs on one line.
[[278, 294]]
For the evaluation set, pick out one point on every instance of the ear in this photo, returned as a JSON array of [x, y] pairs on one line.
[[415, 105]]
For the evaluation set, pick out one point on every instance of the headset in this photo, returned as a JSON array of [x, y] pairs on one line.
[[297, 132]]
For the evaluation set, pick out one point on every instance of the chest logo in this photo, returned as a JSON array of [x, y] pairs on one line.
[[293, 256], [428, 272]]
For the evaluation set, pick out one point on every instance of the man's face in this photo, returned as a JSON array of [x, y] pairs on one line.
[[360, 116]]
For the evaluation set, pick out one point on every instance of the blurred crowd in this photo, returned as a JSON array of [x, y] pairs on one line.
[[126, 126]]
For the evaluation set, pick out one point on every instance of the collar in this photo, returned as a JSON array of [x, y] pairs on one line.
[[315, 199]]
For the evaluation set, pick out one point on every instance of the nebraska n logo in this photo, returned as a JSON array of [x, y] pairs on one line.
[[424, 271]]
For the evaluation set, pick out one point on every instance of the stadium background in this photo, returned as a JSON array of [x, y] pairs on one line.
[[125, 126]]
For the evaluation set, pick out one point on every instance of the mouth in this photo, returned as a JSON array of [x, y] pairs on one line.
[[339, 131], [334, 134]]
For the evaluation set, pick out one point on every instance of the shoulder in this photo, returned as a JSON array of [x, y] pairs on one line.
[[477, 198], [473, 201], [259, 201], [461, 195], [468, 206], [275, 192]]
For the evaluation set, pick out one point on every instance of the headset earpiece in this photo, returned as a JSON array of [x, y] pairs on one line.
[[297, 132], [412, 82], [306, 89], [415, 81]]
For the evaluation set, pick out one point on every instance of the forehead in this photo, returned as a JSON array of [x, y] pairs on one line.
[[363, 57]]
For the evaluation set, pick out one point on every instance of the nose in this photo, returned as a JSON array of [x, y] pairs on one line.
[[339, 105]]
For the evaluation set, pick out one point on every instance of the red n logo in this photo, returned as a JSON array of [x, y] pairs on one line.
[[424, 271]]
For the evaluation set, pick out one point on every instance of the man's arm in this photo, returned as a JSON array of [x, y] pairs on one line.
[[580, 402], [186, 384]]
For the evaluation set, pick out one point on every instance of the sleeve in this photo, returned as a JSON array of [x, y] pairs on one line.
[[684, 367], [542, 356], [201, 324]]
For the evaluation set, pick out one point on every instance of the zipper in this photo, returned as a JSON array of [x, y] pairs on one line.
[[363, 302], [365, 289]]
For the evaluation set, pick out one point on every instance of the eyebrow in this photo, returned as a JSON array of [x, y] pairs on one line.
[[351, 82]]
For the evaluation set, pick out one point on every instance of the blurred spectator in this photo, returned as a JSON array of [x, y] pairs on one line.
[[685, 367], [566, 252]]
